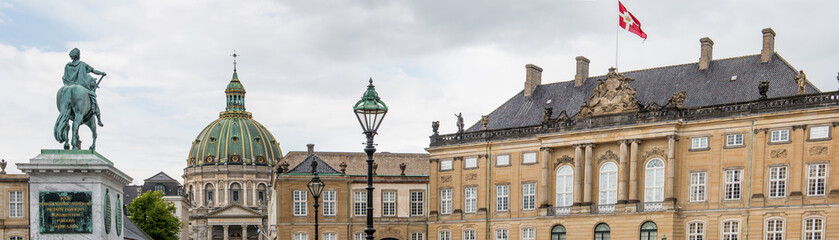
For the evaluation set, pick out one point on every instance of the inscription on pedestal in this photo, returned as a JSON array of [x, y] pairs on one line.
[[65, 212]]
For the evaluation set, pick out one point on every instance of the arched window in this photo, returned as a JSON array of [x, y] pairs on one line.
[[696, 230], [235, 192], [731, 230], [649, 231], [558, 232], [208, 194], [260, 193], [775, 228], [602, 231], [654, 181], [609, 183], [564, 186]]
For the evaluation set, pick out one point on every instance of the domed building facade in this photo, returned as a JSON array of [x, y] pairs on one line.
[[228, 173]]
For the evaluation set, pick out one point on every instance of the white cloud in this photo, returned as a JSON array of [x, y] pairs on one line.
[[305, 63]]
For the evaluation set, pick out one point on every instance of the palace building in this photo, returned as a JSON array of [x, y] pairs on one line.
[[400, 209], [14, 197], [730, 148], [228, 174]]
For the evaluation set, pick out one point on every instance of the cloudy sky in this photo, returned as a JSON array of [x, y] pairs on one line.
[[304, 63]]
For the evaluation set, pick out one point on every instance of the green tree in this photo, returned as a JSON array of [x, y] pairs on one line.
[[155, 216]]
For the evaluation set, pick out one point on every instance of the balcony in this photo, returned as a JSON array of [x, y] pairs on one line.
[[651, 206], [603, 208], [560, 211]]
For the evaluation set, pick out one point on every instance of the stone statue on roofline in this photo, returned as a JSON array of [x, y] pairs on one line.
[[801, 80], [460, 124], [763, 88], [678, 100], [76, 101], [611, 95]]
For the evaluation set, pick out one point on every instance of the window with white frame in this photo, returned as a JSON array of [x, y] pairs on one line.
[[778, 182], [15, 204], [733, 179], [470, 199], [775, 229], [564, 186], [469, 234], [502, 197], [301, 236], [698, 142], [696, 231], [330, 236], [528, 157], [417, 236], [446, 164], [814, 229], [360, 203], [608, 183], [389, 203], [528, 196], [697, 186], [470, 162], [329, 199], [816, 179], [502, 160], [446, 201], [654, 181], [417, 203], [781, 135], [528, 234], [300, 205], [358, 236], [734, 140], [445, 235], [820, 132], [16, 238], [731, 230], [502, 234]]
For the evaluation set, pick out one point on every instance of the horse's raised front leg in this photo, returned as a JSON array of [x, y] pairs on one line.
[[92, 125]]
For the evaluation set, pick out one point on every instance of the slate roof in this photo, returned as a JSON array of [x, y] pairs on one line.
[[133, 232], [306, 166], [131, 192], [388, 163], [712, 86], [161, 176]]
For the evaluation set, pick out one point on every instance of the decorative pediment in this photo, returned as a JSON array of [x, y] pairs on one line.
[[608, 156], [564, 159], [612, 95], [655, 152], [234, 210]]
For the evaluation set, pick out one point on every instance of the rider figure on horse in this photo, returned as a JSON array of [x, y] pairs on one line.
[[77, 72]]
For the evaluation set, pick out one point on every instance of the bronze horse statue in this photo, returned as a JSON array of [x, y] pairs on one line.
[[74, 104]]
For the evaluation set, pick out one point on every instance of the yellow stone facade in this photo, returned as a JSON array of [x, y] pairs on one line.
[[14, 220], [631, 148]]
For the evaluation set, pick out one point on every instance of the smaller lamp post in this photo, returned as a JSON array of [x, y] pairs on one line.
[[316, 188], [370, 111]]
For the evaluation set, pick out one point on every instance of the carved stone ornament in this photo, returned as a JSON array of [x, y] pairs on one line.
[[612, 95], [546, 115], [608, 155], [402, 167], [564, 159], [656, 151], [763, 88], [445, 179], [778, 153], [678, 100], [484, 122], [435, 127], [3, 166], [471, 176], [818, 150]]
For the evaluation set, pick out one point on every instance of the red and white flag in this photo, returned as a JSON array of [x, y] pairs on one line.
[[628, 21]]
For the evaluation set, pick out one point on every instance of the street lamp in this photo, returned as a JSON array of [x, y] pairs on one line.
[[370, 111], [316, 188]]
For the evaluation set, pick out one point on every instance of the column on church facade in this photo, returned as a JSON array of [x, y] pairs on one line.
[[623, 187], [588, 181], [578, 174], [226, 233], [633, 170], [543, 198], [210, 232], [244, 231], [671, 168]]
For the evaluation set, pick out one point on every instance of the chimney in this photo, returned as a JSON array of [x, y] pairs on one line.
[[582, 71], [311, 148], [768, 45], [706, 54], [533, 79]]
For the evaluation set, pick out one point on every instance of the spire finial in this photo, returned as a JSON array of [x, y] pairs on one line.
[[371, 82], [235, 55]]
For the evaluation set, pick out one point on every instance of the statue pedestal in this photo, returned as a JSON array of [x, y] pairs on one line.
[[74, 194]]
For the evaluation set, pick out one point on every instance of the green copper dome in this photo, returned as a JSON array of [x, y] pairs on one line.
[[235, 137]]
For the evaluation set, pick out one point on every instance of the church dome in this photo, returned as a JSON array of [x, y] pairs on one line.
[[235, 137]]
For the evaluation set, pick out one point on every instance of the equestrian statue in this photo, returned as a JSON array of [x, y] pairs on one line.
[[76, 101]]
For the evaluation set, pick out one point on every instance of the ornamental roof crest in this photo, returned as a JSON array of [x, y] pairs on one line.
[[612, 95]]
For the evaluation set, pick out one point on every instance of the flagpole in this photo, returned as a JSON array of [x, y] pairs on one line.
[[617, 29]]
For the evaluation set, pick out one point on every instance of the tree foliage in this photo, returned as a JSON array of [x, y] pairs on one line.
[[155, 216]]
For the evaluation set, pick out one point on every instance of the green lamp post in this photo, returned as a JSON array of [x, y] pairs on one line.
[[370, 111]]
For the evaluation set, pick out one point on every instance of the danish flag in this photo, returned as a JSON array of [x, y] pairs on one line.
[[628, 21]]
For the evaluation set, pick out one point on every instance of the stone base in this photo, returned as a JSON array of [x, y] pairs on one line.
[[75, 173]]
